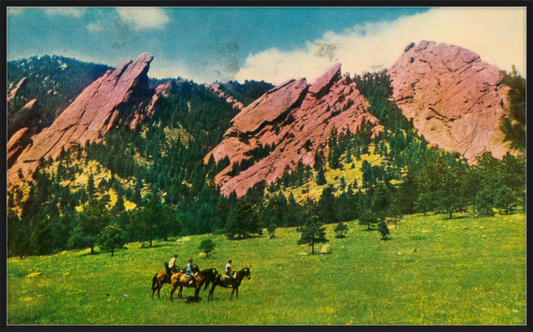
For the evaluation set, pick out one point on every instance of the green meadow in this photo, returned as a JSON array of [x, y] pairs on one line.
[[431, 270]]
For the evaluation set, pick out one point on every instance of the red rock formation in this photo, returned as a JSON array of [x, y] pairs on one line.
[[16, 145], [161, 89], [89, 117], [11, 94], [215, 87], [22, 118], [298, 120], [456, 100]]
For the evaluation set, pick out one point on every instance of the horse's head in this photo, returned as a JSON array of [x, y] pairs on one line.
[[195, 268], [246, 273]]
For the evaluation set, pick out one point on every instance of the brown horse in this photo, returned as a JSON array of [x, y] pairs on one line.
[[181, 280], [226, 282], [160, 279]]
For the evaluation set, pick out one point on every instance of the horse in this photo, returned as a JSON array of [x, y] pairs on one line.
[[226, 282], [160, 279], [181, 280]]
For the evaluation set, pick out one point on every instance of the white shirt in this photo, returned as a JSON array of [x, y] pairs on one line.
[[172, 262]]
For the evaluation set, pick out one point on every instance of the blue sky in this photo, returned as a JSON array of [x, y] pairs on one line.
[[208, 44]]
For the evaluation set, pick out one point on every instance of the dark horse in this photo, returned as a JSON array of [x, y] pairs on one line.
[[181, 280], [161, 278], [226, 282]]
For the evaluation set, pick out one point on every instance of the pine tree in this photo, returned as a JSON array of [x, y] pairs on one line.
[[112, 237], [313, 232]]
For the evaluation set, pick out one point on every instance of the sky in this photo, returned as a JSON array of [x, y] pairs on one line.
[[274, 44]]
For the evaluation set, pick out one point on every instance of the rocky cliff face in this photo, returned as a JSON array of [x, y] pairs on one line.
[[456, 100], [23, 118], [295, 118], [89, 117], [13, 92]]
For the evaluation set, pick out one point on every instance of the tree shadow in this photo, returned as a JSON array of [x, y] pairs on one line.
[[159, 245]]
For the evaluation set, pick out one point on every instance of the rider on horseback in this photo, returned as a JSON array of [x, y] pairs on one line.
[[171, 268], [188, 270], [229, 271]]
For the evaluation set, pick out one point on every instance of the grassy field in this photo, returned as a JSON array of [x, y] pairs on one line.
[[431, 271]]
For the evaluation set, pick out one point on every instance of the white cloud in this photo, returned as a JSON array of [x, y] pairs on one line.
[[65, 11], [143, 17], [94, 27], [496, 34]]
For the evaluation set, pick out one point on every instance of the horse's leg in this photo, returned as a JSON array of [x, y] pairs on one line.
[[172, 293], [232, 291], [210, 296], [180, 293], [237, 293]]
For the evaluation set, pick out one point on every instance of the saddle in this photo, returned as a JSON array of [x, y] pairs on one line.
[[226, 280]]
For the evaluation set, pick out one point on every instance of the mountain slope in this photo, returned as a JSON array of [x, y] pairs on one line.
[[90, 116]]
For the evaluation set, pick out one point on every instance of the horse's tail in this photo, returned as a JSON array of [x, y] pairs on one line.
[[154, 282]]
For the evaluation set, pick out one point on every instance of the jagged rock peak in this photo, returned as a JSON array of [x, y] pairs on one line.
[[455, 99], [324, 82], [92, 114], [296, 121]]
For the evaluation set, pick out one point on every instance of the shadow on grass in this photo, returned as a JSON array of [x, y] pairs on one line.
[[159, 245], [245, 238]]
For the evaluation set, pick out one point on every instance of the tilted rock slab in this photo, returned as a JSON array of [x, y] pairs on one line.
[[11, 94], [215, 87], [298, 119], [88, 118], [456, 100], [16, 145]]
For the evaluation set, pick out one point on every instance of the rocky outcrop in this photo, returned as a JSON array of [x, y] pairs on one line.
[[456, 100], [89, 117], [16, 145], [160, 90], [11, 94], [295, 118], [215, 87], [23, 118]]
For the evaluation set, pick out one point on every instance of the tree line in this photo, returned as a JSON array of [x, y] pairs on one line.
[[175, 194]]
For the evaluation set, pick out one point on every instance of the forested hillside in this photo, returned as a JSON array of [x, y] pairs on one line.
[[54, 81], [153, 182]]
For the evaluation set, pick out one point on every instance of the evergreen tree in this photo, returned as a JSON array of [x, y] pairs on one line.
[[90, 222], [321, 176], [242, 221], [313, 232], [112, 237], [18, 239], [514, 126], [271, 231], [368, 219], [341, 230], [383, 229], [207, 246]]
